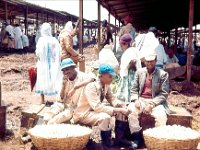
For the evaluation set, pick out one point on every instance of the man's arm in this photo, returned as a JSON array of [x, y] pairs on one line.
[[135, 87], [68, 41], [62, 93], [79, 85], [112, 99], [94, 100], [164, 90]]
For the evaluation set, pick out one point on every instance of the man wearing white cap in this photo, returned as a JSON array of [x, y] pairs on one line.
[[148, 95], [73, 83]]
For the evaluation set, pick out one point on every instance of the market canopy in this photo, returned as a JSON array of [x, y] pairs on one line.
[[164, 14]]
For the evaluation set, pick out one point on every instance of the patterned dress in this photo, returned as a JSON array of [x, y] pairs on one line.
[[127, 75]]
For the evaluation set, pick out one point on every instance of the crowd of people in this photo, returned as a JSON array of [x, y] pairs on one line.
[[13, 37], [88, 99]]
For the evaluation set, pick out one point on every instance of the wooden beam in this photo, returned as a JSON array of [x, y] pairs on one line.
[[176, 37], [0, 94], [37, 22], [189, 51], [99, 27], [108, 18], [6, 11], [115, 34], [54, 28], [81, 64], [47, 17], [26, 20]]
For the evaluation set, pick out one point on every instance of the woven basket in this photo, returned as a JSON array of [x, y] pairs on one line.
[[154, 143], [74, 137]]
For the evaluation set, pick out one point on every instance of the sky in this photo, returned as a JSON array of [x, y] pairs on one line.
[[72, 7]]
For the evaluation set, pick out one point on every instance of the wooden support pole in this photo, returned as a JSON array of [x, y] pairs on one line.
[[176, 37], [195, 33], [189, 51], [6, 10], [0, 94], [26, 20], [81, 64], [99, 28], [47, 17], [109, 19], [37, 22], [54, 26], [115, 35], [169, 38]]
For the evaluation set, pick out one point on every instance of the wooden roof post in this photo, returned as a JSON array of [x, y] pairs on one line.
[[176, 37], [54, 26], [81, 64], [109, 18], [37, 23], [0, 94], [6, 10], [26, 20], [115, 34], [189, 59], [47, 17], [169, 38], [99, 27]]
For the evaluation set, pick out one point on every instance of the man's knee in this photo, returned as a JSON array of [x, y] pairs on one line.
[[104, 117], [104, 121], [160, 115]]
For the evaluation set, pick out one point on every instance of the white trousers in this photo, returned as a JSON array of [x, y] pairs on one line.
[[158, 112], [58, 114]]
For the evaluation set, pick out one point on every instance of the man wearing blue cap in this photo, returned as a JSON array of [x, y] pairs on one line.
[[92, 111], [73, 84]]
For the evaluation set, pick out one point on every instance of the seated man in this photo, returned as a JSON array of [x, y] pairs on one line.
[[172, 60], [92, 111], [73, 83], [148, 95]]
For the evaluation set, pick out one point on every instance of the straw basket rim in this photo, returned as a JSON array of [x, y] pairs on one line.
[[89, 131], [66, 142], [161, 138], [160, 143]]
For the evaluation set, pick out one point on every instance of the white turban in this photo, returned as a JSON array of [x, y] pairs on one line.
[[46, 29], [149, 45]]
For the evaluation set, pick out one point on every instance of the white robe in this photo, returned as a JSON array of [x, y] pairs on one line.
[[18, 38], [49, 75], [106, 56], [10, 30], [25, 40], [129, 55]]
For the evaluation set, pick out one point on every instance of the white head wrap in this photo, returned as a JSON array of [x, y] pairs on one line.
[[149, 45], [67, 29], [46, 29]]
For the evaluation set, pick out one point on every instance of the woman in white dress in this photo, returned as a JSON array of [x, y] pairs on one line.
[[48, 51], [130, 62], [18, 37]]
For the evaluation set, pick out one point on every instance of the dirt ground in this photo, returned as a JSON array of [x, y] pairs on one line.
[[16, 94]]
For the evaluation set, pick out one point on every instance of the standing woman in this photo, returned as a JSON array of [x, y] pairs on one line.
[[129, 64], [18, 37], [66, 42], [48, 51]]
